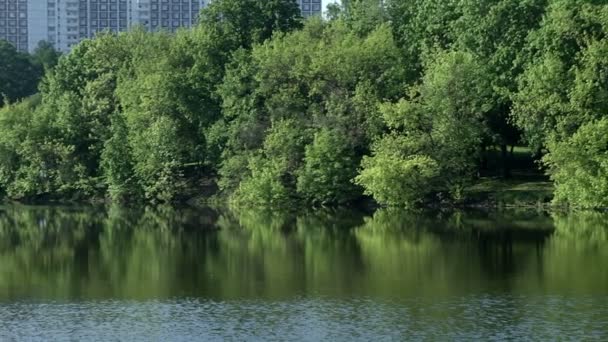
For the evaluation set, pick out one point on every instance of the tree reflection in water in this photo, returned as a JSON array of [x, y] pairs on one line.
[[63, 253]]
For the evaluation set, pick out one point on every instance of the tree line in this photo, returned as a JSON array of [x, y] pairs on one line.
[[394, 100]]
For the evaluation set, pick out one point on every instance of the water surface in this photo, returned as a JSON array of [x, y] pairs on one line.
[[200, 274]]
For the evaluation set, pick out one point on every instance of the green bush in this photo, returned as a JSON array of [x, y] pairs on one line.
[[395, 180], [579, 166], [329, 167], [265, 185]]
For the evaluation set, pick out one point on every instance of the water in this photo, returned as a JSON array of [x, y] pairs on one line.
[[181, 275]]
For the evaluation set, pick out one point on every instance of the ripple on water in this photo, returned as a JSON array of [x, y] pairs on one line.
[[465, 318]]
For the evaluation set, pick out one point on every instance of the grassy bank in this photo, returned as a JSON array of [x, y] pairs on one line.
[[527, 185], [519, 191]]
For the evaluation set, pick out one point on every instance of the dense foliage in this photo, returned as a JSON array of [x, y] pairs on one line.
[[20, 72], [397, 100]]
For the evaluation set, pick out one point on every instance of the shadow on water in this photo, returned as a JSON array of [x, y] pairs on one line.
[[64, 254]]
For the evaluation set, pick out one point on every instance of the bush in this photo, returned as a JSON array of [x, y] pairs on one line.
[[396, 179], [579, 166], [329, 167], [265, 184]]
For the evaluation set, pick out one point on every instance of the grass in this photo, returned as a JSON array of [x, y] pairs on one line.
[[517, 191]]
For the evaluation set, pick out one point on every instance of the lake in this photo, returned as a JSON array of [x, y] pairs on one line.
[[166, 274]]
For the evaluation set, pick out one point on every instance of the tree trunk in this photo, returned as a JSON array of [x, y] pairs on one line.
[[506, 165], [483, 163]]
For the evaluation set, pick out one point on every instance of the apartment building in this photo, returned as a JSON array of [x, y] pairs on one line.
[[14, 23], [168, 14], [310, 7], [64, 23]]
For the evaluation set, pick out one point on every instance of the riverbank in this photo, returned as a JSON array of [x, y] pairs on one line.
[[526, 186], [523, 190]]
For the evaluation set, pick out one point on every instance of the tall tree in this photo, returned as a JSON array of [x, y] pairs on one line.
[[435, 134], [326, 82], [45, 55], [562, 101], [241, 23], [18, 75]]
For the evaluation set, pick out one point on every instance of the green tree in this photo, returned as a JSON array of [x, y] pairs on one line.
[[395, 178], [117, 162], [273, 170], [561, 86], [323, 78], [496, 32], [242, 23], [579, 166], [18, 75], [79, 99], [35, 163], [45, 55], [562, 100], [439, 126], [364, 16], [420, 27], [15, 122], [330, 163], [162, 130]]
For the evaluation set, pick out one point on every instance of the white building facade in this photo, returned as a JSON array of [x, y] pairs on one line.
[[64, 23]]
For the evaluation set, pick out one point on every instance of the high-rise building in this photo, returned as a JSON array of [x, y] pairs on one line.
[[64, 23], [70, 21], [310, 7], [168, 14], [14, 22]]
